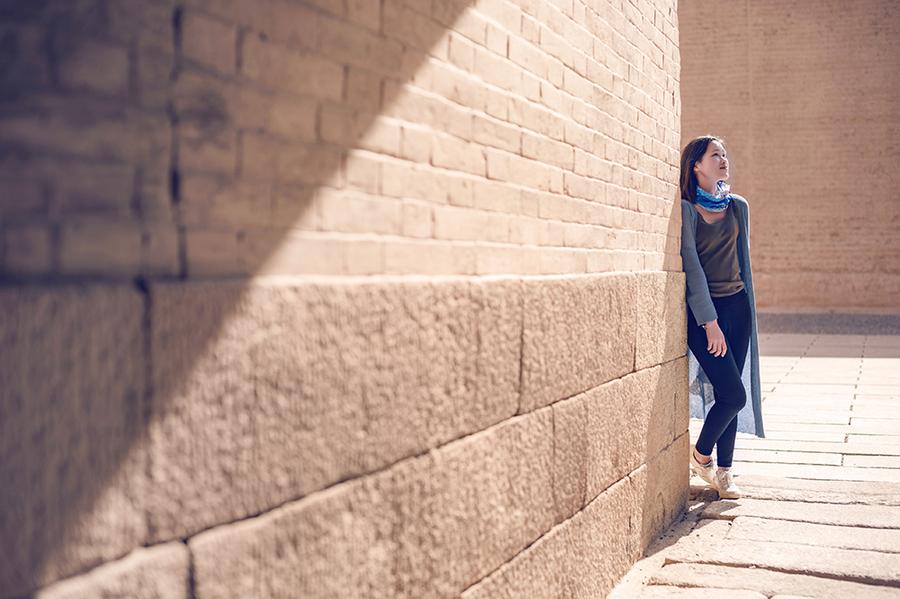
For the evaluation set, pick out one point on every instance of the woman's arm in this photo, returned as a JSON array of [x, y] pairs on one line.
[[698, 297]]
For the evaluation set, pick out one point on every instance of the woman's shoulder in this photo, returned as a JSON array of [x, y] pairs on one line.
[[739, 200]]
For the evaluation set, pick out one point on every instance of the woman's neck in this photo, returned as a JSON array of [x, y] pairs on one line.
[[709, 188]]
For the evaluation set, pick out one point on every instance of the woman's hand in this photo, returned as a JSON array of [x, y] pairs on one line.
[[715, 339]]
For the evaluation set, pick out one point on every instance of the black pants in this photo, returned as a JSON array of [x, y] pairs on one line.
[[720, 426]]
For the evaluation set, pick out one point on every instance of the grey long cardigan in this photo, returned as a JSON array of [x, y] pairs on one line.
[[700, 389]]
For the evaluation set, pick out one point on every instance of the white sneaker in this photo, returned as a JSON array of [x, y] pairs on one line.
[[726, 486], [705, 471]]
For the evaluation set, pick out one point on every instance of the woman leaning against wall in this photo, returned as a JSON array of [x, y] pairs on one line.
[[722, 339]]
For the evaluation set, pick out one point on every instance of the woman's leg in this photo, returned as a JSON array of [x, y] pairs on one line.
[[725, 377], [737, 337]]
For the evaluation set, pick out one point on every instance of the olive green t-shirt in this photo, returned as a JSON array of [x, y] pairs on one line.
[[717, 248]]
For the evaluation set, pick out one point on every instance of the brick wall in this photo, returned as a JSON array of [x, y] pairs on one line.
[[805, 97], [236, 368]]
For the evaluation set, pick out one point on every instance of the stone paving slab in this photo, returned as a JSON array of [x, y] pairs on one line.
[[819, 491], [791, 435], [783, 415], [870, 567], [786, 457], [870, 516], [790, 445], [872, 440], [814, 471], [873, 426], [658, 592], [773, 424], [768, 582], [751, 528], [873, 461], [814, 388]]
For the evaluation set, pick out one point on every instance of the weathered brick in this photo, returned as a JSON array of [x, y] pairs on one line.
[[27, 250], [363, 171], [350, 212], [22, 198], [95, 66], [365, 12], [283, 69], [100, 247], [208, 41], [417, 220], [450, 152]]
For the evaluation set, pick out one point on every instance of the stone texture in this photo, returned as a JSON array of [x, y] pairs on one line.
[[661, 331], [768, 582], [880, 516], [334, 543], [570, 452], [862, 566], [428, 526], [886, 540], [350, 376], [578, 333], [667, 592], [821, 491], [666, 492], [484, 499], [581, 557], [629, 421], [71, 415], [155, 573]]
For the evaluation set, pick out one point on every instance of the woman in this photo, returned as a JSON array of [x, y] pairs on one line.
[[715, 252]]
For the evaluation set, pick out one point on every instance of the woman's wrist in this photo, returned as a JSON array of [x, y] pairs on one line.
[[711, 323]]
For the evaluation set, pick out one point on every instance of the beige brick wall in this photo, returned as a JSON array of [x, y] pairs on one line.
[[232, 347], [806, 99], [210, 139]]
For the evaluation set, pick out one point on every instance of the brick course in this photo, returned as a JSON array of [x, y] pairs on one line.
[[533, 97]]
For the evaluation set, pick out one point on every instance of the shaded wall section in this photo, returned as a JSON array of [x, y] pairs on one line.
[[375, 298], [805, 98]]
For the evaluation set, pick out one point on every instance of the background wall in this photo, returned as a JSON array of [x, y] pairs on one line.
[[361, 298], [805, 98]]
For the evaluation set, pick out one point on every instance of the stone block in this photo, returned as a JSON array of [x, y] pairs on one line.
[[350, 376], [661, 318], [583, 556], [570, 449], [337, 543], [476, 504], [629, 422], [578, 333], [160, 571], [428, 526], [666, 494], [680, 383], [71, 415]]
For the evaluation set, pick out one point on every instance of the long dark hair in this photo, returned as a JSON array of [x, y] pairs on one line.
[[692, 153]]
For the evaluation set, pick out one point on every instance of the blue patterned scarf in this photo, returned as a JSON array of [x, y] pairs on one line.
[[715, 202]]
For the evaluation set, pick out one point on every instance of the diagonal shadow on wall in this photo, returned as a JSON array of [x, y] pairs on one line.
[[94, 361]]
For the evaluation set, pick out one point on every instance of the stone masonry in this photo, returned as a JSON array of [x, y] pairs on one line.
[[805, 97], [357, 298]]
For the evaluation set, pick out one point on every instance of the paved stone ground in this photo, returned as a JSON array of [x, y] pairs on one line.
[[821, 513]]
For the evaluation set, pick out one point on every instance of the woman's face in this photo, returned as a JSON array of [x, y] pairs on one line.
[[713, 167]]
